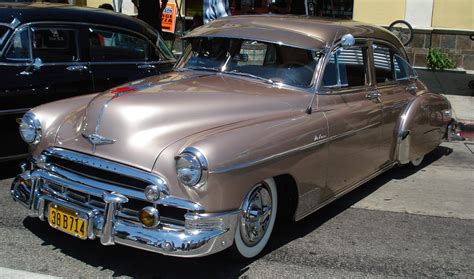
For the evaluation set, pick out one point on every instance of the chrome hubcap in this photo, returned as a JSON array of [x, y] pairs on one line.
[[257, 211]]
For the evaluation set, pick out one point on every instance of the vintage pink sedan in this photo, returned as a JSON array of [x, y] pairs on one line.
[[263, 117]]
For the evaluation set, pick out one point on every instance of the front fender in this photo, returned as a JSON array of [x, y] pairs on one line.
[[422, 126], [242, 155], [52, 115]]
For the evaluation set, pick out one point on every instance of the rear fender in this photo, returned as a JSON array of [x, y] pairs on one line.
[[422, 126]]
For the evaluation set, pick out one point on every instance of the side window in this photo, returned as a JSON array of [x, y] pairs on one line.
[[384, 72], [110, 46], [54, 44], [19, 48], [403, 69], [346, 68]]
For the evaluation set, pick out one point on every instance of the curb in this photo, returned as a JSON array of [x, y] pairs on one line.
[[466, 129]]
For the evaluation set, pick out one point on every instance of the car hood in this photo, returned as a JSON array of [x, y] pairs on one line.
[[144, 117]]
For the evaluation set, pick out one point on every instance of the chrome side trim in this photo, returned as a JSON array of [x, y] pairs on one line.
[[271, 158], [13, 111], [301, 215], [291, 151]]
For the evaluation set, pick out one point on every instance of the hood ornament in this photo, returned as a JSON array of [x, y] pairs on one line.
[[96, 139]]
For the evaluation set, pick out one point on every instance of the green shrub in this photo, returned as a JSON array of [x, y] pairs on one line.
[[437, 60]]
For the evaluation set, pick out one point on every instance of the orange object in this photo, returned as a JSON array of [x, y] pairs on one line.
[[168, 18]]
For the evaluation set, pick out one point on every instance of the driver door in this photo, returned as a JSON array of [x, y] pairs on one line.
[[41, 64]]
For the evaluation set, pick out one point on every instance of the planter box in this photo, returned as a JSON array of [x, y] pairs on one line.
[[450, 82]]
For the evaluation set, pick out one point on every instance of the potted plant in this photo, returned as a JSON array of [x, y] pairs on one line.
[[442, 76]]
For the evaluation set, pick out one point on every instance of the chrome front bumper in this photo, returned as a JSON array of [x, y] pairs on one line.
[[203, 233]]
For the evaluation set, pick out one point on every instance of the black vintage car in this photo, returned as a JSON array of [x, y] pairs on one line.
[[53, 51]]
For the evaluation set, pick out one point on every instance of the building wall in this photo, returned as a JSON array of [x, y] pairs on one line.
[[96, 3], [457, 14], [419, 12], [381, 12]]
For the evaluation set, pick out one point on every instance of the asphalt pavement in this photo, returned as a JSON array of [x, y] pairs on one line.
[[405, 223]]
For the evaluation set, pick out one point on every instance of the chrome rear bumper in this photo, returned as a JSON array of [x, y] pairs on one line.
[[203, 233]]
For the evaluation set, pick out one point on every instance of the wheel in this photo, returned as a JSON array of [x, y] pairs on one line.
[[402, 30], [416, 162], [256, 222]]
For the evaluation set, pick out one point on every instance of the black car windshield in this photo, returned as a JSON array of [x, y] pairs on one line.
[[274, 63]]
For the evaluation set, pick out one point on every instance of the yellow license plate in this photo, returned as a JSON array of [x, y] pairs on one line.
[[67, 220]]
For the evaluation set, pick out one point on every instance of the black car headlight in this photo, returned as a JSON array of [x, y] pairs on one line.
[[191, 168], [30, 128]]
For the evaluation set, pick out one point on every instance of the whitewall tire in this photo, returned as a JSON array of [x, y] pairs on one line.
[[255, 224], [416, 162]]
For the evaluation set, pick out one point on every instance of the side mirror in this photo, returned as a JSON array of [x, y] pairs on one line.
[[347, 41], [37, 64]]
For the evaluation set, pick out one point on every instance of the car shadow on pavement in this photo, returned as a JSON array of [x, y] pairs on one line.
[[125, 261], [9, 169]]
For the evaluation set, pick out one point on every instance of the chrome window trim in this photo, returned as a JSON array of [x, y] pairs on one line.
[[323, 90], [7, 45], [84, 24]]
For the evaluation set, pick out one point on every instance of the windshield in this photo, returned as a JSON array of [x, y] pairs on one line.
[[269, 62]]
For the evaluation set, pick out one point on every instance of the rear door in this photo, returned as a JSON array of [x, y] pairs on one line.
[[396, 86], [117, 56]]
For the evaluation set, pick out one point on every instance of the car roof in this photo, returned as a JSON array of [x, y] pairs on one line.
[[35, 12], [299, 31]]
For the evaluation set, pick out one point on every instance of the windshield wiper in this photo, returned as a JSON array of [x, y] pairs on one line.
[[266, 80]]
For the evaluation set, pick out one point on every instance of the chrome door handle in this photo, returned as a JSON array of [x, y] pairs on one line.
[[146, 66], [26, 73], [374, 96], [77, 68]]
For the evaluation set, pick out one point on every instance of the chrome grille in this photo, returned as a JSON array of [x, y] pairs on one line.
[[63, 166]]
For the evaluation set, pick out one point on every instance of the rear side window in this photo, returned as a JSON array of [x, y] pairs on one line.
[[384, 72], [113, 46], [346, 68], [403, 69], [54, 44]]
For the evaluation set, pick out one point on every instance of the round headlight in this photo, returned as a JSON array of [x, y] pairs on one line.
[[30, 128], [191, 167]]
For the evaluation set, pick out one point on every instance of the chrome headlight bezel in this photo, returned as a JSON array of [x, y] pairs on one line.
[[30, 123], [194, 157]]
